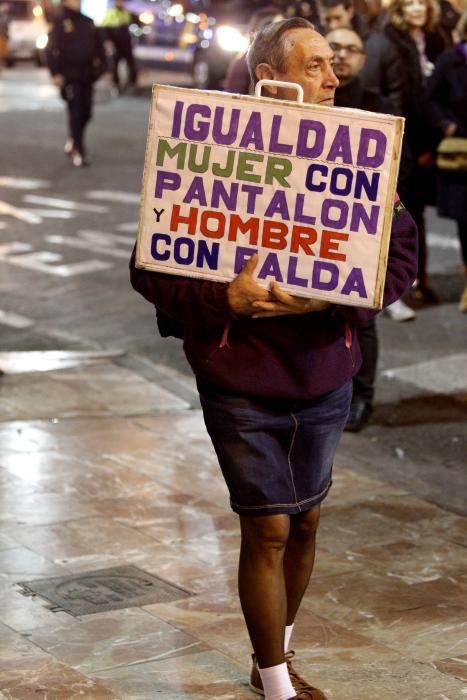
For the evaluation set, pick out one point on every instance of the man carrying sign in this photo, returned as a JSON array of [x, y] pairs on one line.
[[274, 374]]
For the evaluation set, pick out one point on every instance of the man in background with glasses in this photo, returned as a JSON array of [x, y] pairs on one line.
[[382, 70]]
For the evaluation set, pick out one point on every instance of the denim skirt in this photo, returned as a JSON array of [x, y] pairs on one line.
[[276, 456]]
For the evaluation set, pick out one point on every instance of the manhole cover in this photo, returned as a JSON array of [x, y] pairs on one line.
[[102, 590]]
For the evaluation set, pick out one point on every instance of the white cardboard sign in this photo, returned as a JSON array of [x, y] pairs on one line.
[[308, 188]]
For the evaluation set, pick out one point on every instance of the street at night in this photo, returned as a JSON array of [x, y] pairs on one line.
[[104, 459]]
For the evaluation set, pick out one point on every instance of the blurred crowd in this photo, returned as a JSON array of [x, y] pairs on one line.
[[408, 58], [405, 57]]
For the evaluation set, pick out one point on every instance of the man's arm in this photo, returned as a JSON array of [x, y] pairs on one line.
[[53, 54], [200, 302], [188, 300], [209, 304], [393, 76], [438, 99], [401, 269], [400, 275]]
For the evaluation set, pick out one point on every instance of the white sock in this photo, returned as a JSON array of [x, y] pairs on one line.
[[276, 683], [288, 634]]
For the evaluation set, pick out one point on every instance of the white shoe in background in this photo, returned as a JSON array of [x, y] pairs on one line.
[[68, 147], [398, 311]]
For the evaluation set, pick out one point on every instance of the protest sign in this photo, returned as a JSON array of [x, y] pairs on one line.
[[307, 187]]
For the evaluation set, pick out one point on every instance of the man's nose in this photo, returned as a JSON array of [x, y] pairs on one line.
[[331, 79]]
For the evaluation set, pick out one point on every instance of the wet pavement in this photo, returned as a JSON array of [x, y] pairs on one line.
[[104, 463], [100, 468]]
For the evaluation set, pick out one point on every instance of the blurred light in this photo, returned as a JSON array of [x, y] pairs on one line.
[[207, 33], [95, 9], [231, 39], [175, 10], [191, 17], [146, 18], [37, 11], [204, 44], [42, 41], [169, 56], [179, 19]]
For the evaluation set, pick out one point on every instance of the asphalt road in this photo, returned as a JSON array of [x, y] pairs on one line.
[[65, 239]]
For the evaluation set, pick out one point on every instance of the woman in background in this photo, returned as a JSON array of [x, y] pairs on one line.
[[413, 28], [447, 103]]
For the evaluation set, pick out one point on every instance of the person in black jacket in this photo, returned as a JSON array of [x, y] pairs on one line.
[[116, 25], [349, 59], [76, 58], [447, 103], [414, 31], [382, 70]]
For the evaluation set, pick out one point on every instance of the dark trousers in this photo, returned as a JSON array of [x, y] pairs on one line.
[[418, 192], [78, 97], [364, 380], [124, 53], [462, 232]]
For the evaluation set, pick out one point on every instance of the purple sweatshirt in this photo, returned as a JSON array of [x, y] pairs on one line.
[[296, 356]]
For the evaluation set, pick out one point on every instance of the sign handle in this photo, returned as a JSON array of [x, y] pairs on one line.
[[282, 83]]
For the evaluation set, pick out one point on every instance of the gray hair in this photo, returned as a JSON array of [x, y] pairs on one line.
[[268, 45]]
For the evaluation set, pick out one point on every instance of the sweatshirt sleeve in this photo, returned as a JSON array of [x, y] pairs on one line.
[[401, 269], [191, 301], [53, 50]]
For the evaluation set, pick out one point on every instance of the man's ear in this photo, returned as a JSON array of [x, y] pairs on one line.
[[265, 72]]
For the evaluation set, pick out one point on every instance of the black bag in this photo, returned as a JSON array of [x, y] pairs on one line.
[[169, 327]]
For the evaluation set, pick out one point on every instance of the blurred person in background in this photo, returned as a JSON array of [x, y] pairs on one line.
[[116, 25], [414, 32], [310, 11], [76, 59], [349, 59], [374, 13], [449, 17], [382, 70], [4, 21], [238, 76], [447, 103]]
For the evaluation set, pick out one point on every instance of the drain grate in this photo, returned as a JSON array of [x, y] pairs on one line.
[[106, 589]]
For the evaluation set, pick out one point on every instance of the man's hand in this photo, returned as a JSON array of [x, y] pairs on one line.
[[244, 292], [284, 303], [58, 80]]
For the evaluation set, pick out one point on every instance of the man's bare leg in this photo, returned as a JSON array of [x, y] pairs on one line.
[[299, 558], [261, 584]]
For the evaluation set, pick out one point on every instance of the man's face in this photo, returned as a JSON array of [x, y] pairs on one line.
[[349, 55], [309, 61], [415, 13], [338, 16]]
